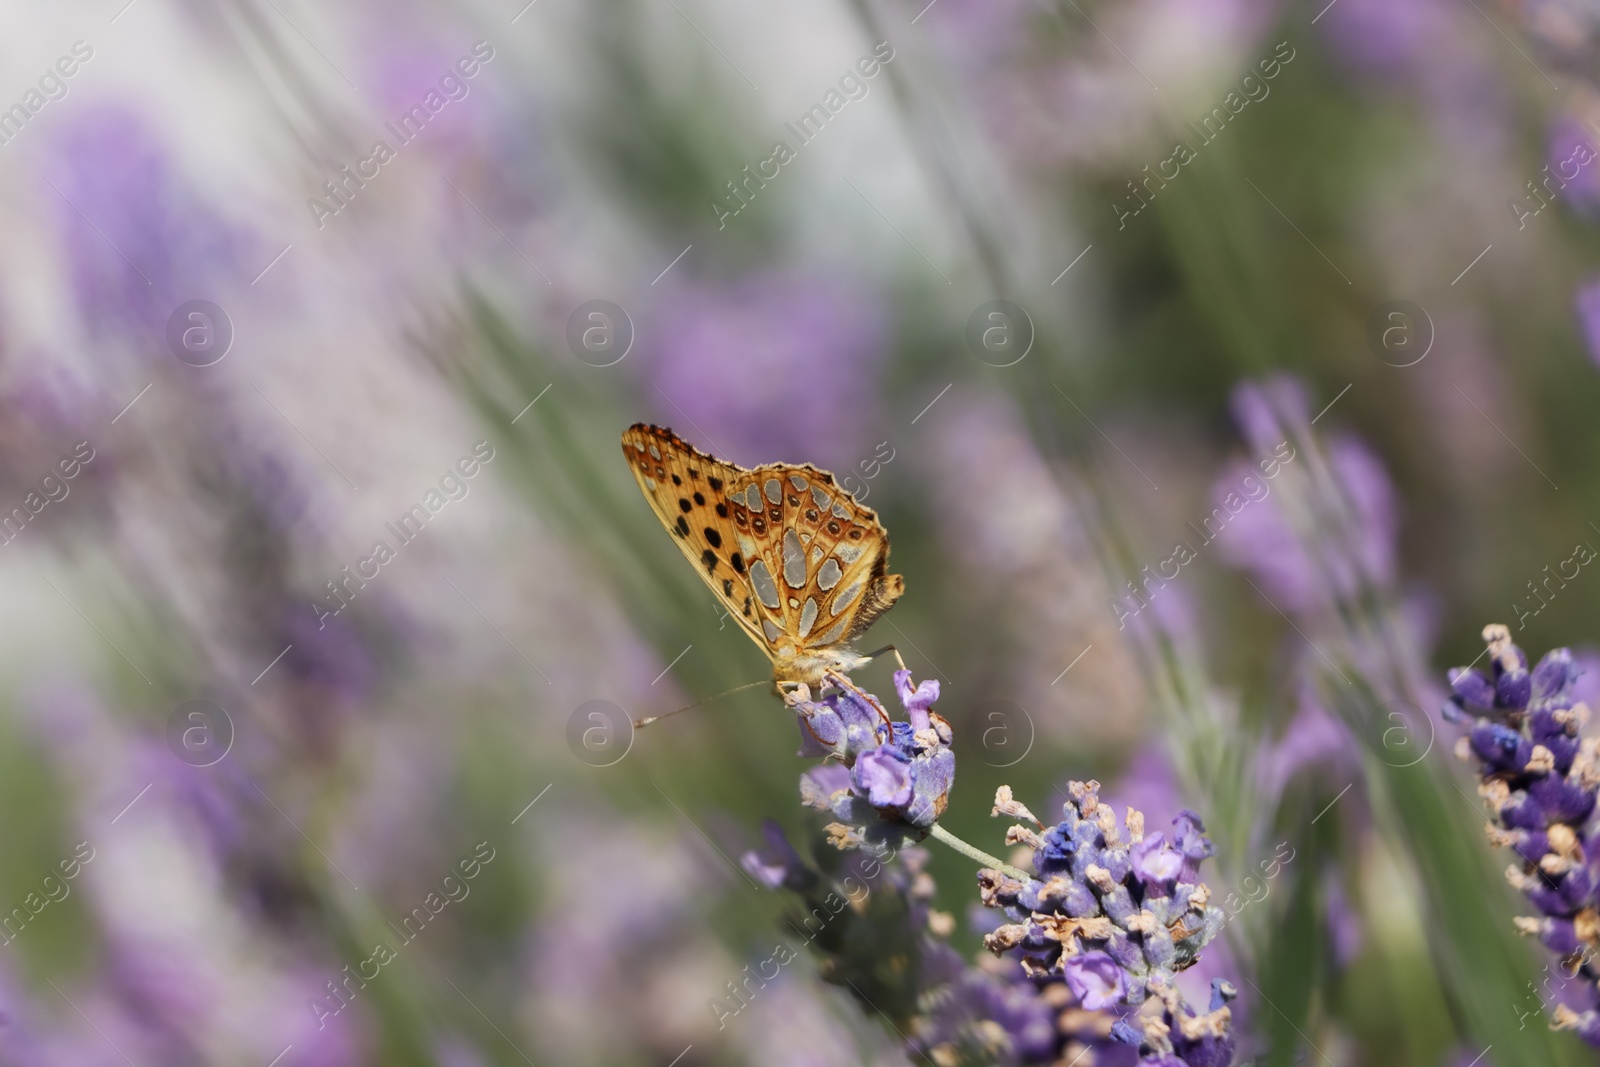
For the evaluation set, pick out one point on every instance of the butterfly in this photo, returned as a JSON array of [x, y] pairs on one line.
[[793, 558]]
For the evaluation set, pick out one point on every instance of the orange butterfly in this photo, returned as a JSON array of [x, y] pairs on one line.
[[793, 558]]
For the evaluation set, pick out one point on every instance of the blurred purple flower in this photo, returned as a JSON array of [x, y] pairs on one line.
[[1272, 410], [1346, 930], [1573, 162], [138, 237], [1315, 741], [1358, 546], [1587, 301], [1386, 37], [731, 357]]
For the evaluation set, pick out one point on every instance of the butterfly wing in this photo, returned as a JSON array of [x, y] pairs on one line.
[[793, 558], [822, 560], [688, 491]]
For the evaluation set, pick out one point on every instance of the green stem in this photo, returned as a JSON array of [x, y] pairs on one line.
[[972, 852]]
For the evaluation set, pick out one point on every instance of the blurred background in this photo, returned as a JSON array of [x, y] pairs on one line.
[[1219, 369]]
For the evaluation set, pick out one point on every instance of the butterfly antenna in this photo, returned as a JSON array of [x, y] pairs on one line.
[[648, 719]]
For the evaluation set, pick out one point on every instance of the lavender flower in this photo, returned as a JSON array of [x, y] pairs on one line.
[[1098, 935], [1114, 919], [887, 946], [1540, 777], [893, 779]]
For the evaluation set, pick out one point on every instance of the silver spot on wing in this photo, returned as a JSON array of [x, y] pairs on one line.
[[794, 560], [839, 512], [772, 632], [798, 482], [816, 554], [829, 575], [766, 588], [820, 496], [847, 552], [808, 615], [656, 452], [774, 490], [846, 598], [833, 635]]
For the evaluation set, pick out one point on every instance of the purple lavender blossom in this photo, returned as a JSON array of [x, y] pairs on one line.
[[1114, 919], [954, 1011], [893, 779], [1539, 777]]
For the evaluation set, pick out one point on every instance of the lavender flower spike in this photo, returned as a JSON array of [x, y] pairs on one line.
[[892, 779], [1540, 777], [1113, 919]]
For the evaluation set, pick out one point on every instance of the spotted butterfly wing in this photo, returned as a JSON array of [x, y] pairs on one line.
[[794, 559]]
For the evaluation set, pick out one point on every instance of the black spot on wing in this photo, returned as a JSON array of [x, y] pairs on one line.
[[722, 510], [682, 527], [700, 499], [715, 484], [683, 505], [709, 558], [738, 563], [713, 538], [727, 587]]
